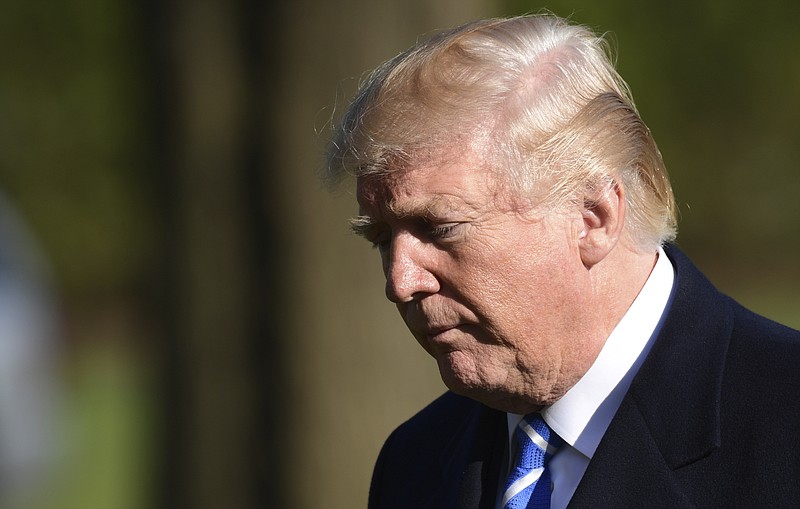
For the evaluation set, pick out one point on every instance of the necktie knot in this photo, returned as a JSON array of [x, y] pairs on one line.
[[528, 484]]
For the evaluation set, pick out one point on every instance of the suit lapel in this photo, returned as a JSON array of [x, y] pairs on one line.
[[628, 469], [670, 416]]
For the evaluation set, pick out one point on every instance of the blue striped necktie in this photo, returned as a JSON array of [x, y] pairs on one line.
[[528, 485]]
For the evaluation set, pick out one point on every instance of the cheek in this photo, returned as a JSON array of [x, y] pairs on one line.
[[526, 298]]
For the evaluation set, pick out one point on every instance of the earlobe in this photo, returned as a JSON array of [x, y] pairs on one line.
[[603, 215]]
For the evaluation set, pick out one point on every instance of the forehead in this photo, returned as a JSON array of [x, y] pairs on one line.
[[426, 188]]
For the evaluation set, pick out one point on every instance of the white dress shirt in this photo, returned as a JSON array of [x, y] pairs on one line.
[[583, 414]]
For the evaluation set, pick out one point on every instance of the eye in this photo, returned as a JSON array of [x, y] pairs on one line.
[[444, 231], [381, 242]]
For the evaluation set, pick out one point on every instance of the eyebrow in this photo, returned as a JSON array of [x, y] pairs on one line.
[[366, 226], [362, 225]]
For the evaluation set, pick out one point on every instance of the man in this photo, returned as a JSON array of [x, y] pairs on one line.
[[524, 219]]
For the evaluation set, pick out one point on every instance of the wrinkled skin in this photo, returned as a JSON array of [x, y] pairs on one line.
[[502, 298]]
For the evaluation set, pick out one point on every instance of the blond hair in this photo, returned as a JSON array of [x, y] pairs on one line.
[[538, 94]]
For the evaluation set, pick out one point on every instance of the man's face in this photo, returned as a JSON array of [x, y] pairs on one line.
[[497, 296]]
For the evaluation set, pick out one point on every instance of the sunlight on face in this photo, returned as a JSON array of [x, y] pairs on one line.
[[494, 295]]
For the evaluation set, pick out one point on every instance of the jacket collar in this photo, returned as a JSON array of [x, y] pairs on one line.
[[679, 385], [670, 416]]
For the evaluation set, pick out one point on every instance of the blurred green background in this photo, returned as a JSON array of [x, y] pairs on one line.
[[215, 337]]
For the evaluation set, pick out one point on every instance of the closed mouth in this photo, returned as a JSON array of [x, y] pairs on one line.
[[433, 333]]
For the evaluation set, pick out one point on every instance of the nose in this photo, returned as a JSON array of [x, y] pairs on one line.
[[407, 269]]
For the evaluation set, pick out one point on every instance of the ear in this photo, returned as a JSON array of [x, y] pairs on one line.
[[603, 216]]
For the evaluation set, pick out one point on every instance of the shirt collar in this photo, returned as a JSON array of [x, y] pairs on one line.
[[583, 414]]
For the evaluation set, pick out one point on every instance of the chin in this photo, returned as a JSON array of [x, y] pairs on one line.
[[464, 384], [471, 385], [459, 373], [490, 393]]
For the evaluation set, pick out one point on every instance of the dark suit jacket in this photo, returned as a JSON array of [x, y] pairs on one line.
[[712, 419]]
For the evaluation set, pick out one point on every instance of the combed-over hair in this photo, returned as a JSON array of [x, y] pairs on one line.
[[538, 94]]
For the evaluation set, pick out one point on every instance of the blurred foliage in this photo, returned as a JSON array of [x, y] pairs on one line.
[[72, 136], [74, 157], [108, 451]]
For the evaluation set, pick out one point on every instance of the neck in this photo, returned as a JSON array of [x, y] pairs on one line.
[[617, 281]]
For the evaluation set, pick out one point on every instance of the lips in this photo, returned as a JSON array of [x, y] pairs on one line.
[[435, 331], [439, 334]]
